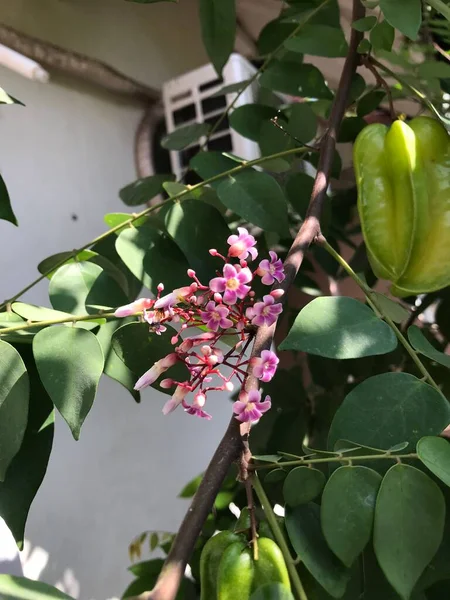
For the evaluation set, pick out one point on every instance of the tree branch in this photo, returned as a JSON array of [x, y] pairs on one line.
[[233, 443]]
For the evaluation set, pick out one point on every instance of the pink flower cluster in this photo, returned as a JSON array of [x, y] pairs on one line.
[[224, 309]]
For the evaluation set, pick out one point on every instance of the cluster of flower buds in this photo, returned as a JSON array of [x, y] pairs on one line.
[[224, 310]]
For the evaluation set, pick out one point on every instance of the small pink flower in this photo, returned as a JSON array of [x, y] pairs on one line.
[[264, 367], [177, 296], [137, 306], [197, 405], [195, 340], [154, 372], [249, 407], [264, 313], [177, 398], [242, 245], [215, 316], [232, 283], [271, 271]]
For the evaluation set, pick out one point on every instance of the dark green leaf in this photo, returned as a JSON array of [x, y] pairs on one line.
[[6, 212], [114, 367], [257, 198], [364, 46], [7, 99], [299, 80], [143, 190], [30, 312], [434, 452], [272, 591], [275, 476], [139, 350], [369, 102], [190, 488], [433, 69], [404, 15], [273, 139], [382, 36], [50, 265], [303, 485], [70, 363], [364, 24], [339, 327], [14, 397], [183, 136], [232, 88], [147, 567], [20, 588], [357, 88], [27, 470], [298, 189], [422, 345], [209, 164], [196, 227], [218, 25], [389, 408], [318, 40], [276, 165], [115, 219], [313, 12], [336, 168], [347, 510], [273, 35], [247, 119], [390, 308], [174, 188], [152, 257], [305, 533], [350, 127], [409, 524], [302, 122]]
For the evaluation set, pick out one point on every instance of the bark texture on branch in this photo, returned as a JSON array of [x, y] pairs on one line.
[[234, 442]]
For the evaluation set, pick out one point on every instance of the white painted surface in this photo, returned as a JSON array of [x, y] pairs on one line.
[[68, 152]]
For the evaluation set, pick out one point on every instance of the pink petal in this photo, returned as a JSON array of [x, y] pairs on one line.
[[217, 284], [230, 297]]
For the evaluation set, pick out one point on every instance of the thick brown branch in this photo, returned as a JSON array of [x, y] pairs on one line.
[[234, 444]]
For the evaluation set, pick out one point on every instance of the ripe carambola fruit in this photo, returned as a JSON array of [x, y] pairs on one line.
[[211, 556], [236, 572], [403, 179]]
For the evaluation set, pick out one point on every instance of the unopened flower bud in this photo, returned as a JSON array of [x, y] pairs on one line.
[[193, 300], [217, 298], [212, 360], [229, 386], [277, 293], [206, 350], [191, 273], [160, 287], [167, 383], [199, 400], [213, 251], [174, 340], [243, 263]]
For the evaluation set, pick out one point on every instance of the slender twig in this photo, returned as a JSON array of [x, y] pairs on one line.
[[378, 309], [69, 319], [331, 459], [441, 51], [144, 213], [416, 311], [251, 511], [233, 443], [279, 538], [381, 83], [441, 7]]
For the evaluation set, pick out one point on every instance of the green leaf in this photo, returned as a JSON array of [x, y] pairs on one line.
[[209, 164], [232, 88], [304, 531], [409, 525], [339, 327], [27, 469], [357, 87], [257, 198], [6, 211], [196, 227], [139, 350], [431, 69], [404, 15], [143, 190], [434, 452], [51, 264], [302, 122], [350, 128], [318, 40], [114, 367], [298, 188], [152, 257], [364, 24], [272, 591], [382, 36], [116, 219], [183, 136], [364, 46], [21, 588], [275, 476], [190, 488], [218, 26], [422, 345], [31, 312], [369, 102], [173, 188], [273, 139], [347, 511], [389, 408], [79, 287], [297, 80], [276, 165], [14, 397], [247, 119], [303, 485], [147, 567], [390, 308], [7, 99], [70, 363], [273, 35]]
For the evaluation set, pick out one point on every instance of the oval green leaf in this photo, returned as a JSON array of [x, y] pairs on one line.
[[14, 398], [422, 345], [218, 27], [257, 198], [434, 452], [183, 136], [404, 15], [318, 40], [70, 363], [347, 511], [339, 327], [389, 408], [247, 119], [409, 525], [143, 190], [305, 533], [302, 485], [298, 80], [6, 211], [21, 588]]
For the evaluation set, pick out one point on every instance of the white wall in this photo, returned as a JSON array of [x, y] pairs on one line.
[[68, 152]]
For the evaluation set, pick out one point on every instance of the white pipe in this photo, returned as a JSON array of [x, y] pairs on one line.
[[22, 65]]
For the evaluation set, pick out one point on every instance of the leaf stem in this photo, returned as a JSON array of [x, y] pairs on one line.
[[279, 537], [241, 167], [441, 7], [69, 319], [378, 309], [332, 459]]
